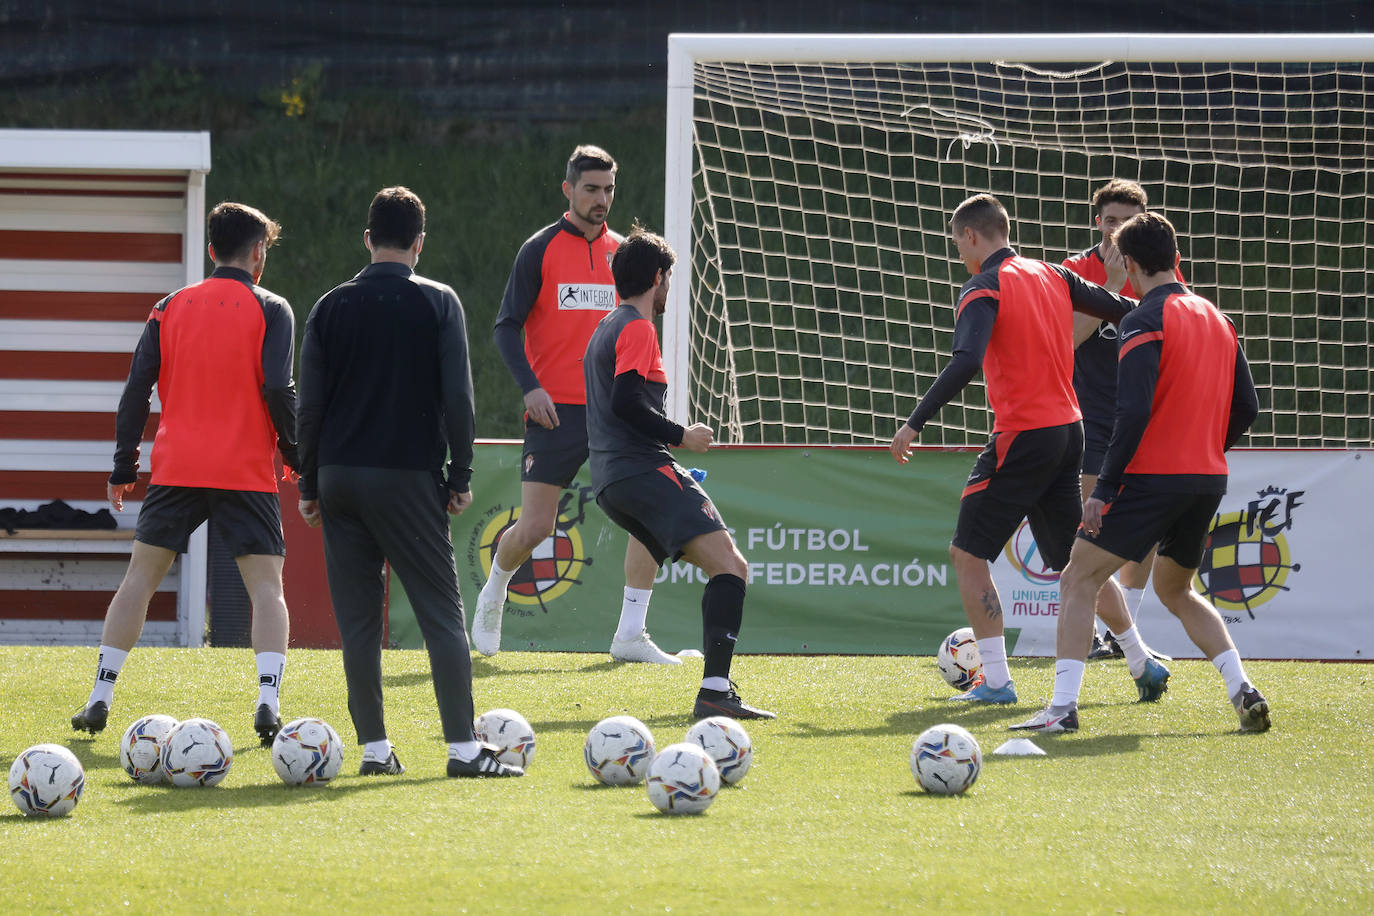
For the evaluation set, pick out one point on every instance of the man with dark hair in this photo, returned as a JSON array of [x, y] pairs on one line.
[[386, 395], [1184, 397], [638, 484], [559, 288], [219, 352], [1094, 384], [1013, 319]]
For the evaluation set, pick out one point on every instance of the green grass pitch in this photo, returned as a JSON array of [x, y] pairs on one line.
[[1149, 809]]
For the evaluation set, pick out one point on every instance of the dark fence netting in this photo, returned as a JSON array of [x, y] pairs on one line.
[[523, 59]]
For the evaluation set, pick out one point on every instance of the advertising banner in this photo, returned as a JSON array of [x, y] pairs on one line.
[[848, 553], [1283, 564]]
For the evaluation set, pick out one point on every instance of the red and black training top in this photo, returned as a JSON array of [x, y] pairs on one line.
[[220, 353], [628, 430], [1184, 396], [560, 287], [1014, 319]]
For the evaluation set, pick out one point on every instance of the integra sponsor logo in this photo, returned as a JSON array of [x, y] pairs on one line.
[[596, 296]]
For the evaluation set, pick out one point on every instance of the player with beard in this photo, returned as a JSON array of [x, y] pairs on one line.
[[638, 484], [560, 287]]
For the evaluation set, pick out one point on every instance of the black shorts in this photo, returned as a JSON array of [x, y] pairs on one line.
[[1032, 474], [1138, 518], [554, 456], [248, 521], [664, 509], [1096, 435]]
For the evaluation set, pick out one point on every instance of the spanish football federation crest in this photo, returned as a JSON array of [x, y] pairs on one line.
[[555, 565], [1246, 561]]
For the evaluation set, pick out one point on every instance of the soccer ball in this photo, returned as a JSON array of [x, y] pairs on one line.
[[197, 752], [619, 750], [946, 759], [958, 659], [140, 750], [510, 733], [683, 779], [307, 752], [46, 781], [727, 743]]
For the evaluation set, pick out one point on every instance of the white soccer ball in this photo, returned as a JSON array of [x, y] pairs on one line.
[[46, 781], [510, 733], [958, 659], [197, 752], [946, 759], [683, 779], [307, 752], [619, 750], [727, 743], [140, 750]]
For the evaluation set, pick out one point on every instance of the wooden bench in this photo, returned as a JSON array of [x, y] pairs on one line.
[[55, 585]]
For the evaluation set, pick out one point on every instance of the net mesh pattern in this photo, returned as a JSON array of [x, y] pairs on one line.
[[824, 276]]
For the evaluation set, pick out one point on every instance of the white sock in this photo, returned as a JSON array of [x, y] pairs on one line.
[[1134, 649], [633, 611], [497, 582], [377, 750], [107, 668], [721, 684], [1133, 596], [463, 750], [993, 652], [1068, 682], [1228, 663], [271, 665]]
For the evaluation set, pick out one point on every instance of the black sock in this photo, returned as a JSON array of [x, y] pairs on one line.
[[722, 609]]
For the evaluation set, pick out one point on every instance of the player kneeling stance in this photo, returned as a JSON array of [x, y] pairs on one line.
[[1184, 396], [637, 483]]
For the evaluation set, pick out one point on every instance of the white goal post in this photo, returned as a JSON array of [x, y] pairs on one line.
[[809, 180]]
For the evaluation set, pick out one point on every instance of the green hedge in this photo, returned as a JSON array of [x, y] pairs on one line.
[[313, 161]]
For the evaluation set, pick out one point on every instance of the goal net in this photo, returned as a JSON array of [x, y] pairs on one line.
[[810, 181]]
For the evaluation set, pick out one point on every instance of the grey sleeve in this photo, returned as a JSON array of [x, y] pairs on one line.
[[455, 380], [522, 289], [135, 402], [310, 407], [973, 327], [1244, 401], [278, 388]]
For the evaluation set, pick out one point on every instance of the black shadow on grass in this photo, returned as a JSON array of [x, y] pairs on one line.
[[1078, 745], [14, 817], [480, 668], [933, 796], [595, 786], [610, 665], [406, 680], [164, 798], [90, 757], [483, 668], [585, 725], [915, 721]]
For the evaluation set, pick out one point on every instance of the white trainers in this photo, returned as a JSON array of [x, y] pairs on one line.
[[641, 649], [486, 624]]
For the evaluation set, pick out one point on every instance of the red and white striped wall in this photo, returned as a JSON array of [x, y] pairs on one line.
[[95, 228]]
